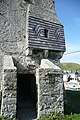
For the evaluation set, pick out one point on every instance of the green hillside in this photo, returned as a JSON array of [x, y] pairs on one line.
[[70, 66]]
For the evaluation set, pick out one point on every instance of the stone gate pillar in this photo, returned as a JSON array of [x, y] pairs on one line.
[[50, 89], [8, 105]]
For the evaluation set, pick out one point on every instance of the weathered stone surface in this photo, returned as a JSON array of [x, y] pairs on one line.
[[8, 62], [18, 20], [45, 63], [50, 91], [12, 26], [1, 69], [44, 9], [9, 85]]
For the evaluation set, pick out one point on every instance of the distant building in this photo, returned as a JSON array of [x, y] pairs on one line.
[[71, 80], [72, 74]]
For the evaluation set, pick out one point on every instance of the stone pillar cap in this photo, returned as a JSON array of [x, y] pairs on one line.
[[8, 62], [47, 64]]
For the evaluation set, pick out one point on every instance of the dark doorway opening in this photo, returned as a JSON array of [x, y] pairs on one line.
[[26, 97]]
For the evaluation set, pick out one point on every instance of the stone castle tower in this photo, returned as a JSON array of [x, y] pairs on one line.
[[31, 45]]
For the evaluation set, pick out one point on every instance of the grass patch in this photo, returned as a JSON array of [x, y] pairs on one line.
[[53, 116], [57, 116], [72, 117]]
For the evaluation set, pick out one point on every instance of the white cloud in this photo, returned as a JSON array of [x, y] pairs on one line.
[[73, 57]]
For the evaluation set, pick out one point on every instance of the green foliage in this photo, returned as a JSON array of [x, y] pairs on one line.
[[53, 116], [70, 66], [57, 116], [72, 117]]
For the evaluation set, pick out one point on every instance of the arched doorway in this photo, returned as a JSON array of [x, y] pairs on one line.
[[26, 97]]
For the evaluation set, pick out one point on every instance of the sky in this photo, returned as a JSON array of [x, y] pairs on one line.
[[68, 12]]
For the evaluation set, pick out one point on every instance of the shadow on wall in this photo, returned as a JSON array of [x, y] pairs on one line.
[[71, 102], [0, 98], [26, 97]]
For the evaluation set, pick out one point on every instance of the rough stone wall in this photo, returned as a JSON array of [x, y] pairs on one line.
[[14, 23], [50, 91], [1, 70], [8, 107], [44, 9], [12, 26], [13, 41], [9, 91]]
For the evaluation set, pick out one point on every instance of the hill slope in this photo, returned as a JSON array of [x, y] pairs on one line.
[[70, 66]]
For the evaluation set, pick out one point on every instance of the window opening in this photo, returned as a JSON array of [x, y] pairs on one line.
[[45, 33]]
